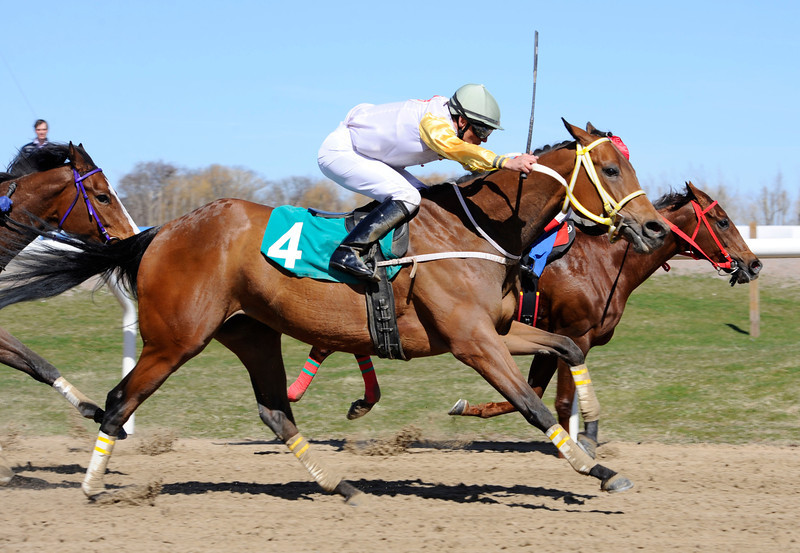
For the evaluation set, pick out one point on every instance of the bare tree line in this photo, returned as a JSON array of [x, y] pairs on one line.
[[156, 192]]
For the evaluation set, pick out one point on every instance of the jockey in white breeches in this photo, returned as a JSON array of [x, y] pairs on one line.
[[371, 148]]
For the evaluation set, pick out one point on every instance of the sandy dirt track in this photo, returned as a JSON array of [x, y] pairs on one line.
[[484, 496]]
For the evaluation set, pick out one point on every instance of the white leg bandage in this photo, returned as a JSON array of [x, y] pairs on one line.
[[93, 482], [579, 460], [587, 399], [298, 445]]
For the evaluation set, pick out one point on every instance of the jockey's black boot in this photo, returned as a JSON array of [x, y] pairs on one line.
[[374, 226]]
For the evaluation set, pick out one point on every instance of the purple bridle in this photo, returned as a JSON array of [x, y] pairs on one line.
[[81, 190]]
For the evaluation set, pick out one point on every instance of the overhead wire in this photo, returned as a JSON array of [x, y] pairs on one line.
[[19, 87]]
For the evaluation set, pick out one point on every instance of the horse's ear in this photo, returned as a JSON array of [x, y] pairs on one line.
[[590, 128], [577, 133], [691, 190], [77, 154]]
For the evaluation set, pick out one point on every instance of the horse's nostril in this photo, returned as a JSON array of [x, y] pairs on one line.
[[655, 229], [755, 267]]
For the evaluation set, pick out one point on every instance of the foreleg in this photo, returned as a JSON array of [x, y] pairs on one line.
[[487, 355], [6, 474], [570, 380], [525, 340]]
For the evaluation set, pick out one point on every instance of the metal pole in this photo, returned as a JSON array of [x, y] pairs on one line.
[[755, 310]]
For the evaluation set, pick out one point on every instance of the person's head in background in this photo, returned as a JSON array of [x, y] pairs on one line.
[[41, 128]]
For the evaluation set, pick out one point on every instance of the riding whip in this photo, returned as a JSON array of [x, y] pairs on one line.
[[533, 99]]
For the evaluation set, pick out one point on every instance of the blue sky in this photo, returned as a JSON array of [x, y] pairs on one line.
[[706, 91]]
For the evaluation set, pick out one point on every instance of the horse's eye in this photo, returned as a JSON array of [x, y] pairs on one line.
[[611, 171], [103, 199], [723, 223]]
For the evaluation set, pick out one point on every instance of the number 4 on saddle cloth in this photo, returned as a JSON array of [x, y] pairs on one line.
[[302, 240], [556, 240]]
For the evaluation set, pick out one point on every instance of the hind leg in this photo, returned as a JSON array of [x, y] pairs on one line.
[[360, 407], [372, 391], [17, 355], [259, 349], [315, 358]]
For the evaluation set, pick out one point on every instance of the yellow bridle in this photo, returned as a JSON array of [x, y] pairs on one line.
[[610, 206]]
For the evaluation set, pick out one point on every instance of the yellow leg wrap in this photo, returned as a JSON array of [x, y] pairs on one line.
[[587, 399], [93, 481], [298, 445], [579, 460]]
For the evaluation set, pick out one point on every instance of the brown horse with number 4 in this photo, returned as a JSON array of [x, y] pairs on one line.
[[202, 277]]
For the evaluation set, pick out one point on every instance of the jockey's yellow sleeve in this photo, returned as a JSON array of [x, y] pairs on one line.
[[439, 136]]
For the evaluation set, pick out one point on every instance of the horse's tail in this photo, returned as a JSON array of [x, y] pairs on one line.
[[50, 269]]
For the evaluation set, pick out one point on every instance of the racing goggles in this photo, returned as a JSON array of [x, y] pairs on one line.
[[481, 131]]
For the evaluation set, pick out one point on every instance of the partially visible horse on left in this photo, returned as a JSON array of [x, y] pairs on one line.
[[202, 277], [56, 186]]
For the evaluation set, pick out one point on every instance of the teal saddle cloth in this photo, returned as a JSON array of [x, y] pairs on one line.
[[301, 242]]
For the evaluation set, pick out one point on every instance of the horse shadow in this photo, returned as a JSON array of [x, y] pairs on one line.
[[737, 329], [544, 448], [23, 482], [417, 488], [488, 494]]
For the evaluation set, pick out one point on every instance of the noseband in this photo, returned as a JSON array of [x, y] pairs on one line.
[[702, 220], [81, 191], [611, 207]]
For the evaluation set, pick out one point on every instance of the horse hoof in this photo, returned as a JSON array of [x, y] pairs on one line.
[[358, 409], [588, 445], [459, 408], [616, 483], [351, 494]]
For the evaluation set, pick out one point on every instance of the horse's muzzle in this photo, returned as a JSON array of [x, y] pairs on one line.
[[645, 238]]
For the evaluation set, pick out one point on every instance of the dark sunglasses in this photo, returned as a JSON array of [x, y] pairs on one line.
[[481, 131]]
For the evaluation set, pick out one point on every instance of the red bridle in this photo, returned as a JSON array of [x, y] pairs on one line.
[[695, 249]]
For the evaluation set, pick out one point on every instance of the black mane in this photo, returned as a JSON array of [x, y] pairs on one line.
[[673, 200], [50, 156]]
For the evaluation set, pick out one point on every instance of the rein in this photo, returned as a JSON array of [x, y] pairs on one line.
[[583, 158], [702, 220], [80, 189], [611, 209]]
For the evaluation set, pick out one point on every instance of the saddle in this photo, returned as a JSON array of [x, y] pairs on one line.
[[553, 244], [399, 245], [381, 316]]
